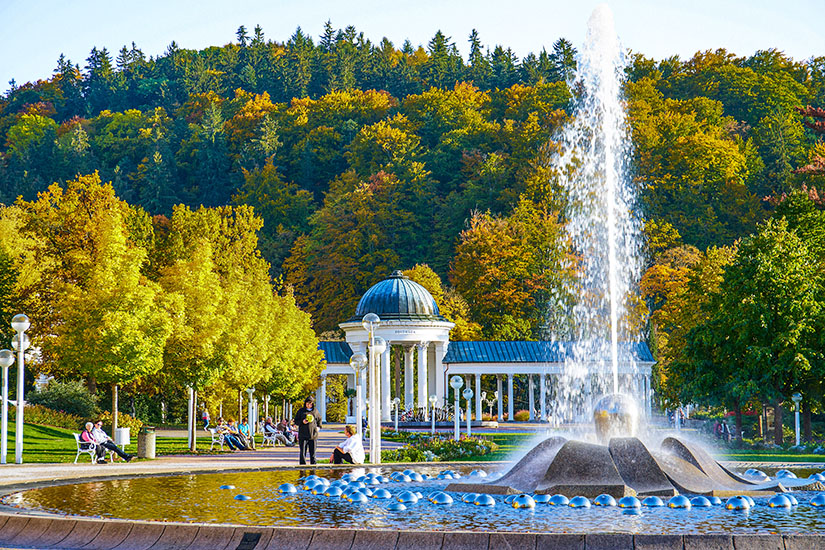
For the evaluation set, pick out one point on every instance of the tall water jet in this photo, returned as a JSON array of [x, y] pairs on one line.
[[602, 223]]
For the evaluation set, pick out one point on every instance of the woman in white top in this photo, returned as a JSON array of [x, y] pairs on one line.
[[351, 450]]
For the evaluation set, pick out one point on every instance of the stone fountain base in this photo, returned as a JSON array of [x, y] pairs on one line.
[[624, 467]]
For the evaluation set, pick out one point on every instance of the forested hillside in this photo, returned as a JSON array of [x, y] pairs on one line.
[[364, 157]]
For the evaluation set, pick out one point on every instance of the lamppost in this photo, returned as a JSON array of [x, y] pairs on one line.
[[433, 399], [456, 382], [358, 362], [395, 403], [20, 324], [468, 395], [797, 397], [250, 412], [377, 345], [6, 360]]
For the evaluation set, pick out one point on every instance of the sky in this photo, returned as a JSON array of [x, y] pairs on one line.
[[33, 33]]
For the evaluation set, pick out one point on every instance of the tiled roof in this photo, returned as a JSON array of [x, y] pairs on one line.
[[531, 352]]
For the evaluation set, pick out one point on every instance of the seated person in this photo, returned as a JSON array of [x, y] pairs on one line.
[[243, 427], [272, 431], [87, 440], [228, 437], [103, 440], [288, 433], [236, 433], [351, 450]]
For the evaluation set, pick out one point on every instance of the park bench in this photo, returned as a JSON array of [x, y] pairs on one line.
[[216, 438], [90, 449]]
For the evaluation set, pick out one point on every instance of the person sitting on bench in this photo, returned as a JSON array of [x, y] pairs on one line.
[[104, 441], [88, 439]]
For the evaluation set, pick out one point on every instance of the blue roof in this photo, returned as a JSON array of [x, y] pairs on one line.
[[530, 352], [500, 352], [335, 352], [398, 298]]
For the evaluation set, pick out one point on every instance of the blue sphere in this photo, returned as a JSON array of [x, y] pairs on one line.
[[716, 501], [407, 497], [357, 485], [816, 477], [333, 492], [357, 496], [509, 499], [782, 474], [242, 497], [818, 501], [524, 501], [479, 473], [444, 476], [367, 491], [652, 502], [469, 497], [738, 503], [779, 501], [442, 499], [558, 500], [792, 498], [226, 487], [579, 502], [750, 500], [381, 494], [604, 500], [415, 476], [541, 499], [679, 501], [419, 494], [700, 502], [396, 507], [286, 488], [484, 500], [629, 502]]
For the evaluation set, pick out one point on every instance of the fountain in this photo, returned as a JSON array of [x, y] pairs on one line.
[[605, 234]]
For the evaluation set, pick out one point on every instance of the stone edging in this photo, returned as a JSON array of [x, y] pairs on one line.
[[28, 531]]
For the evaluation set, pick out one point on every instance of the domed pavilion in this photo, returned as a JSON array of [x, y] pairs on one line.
[[413, 327]]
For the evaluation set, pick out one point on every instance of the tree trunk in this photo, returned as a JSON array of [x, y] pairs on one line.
[[91, 383], [194, 441], [806, 421], [240, 405], [778, 436], [764, 422], [114, 410]]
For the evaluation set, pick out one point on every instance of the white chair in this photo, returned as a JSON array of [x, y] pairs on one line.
[[90, 450], [216, 438]]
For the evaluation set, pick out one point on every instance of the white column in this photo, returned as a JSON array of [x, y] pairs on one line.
[[323, 401], [422, 375], [478, 397], [409, 385], [510, 397], [532, 399], [440, 376], [500, 400], [386, 400], [543, 396]]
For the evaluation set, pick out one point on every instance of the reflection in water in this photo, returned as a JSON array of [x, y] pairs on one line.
[[198, 498]]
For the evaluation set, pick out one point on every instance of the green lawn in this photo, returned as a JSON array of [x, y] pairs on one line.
[[743, 455], [49, 444]]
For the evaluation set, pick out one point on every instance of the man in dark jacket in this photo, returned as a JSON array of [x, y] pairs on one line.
[[308, 424]]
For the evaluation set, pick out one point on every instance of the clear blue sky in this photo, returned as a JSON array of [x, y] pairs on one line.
[[33, 33]]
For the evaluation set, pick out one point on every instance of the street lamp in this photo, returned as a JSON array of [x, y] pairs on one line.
[[433, 399], [250, 413], [468, 395], [395, 403], [456, 382], [796, 398], [20, 324], [358, 362], [370, 322], [6, 360]]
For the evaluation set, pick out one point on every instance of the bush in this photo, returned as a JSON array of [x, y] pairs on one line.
[[69, 397], [522, 416], [404, 454], [123, 421], [38, 414], [486, 417]]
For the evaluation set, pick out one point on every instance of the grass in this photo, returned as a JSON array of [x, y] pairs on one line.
[[44, 444], [746, 455]]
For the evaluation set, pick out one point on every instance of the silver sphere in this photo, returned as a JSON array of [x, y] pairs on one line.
[[616, 415]]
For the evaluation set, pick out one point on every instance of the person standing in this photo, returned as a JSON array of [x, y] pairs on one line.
[[308, 424]]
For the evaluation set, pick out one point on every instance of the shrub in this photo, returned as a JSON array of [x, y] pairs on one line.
[[71, 397], [486, 417], [522, 416], [38, 414], [123, 421], [404, 454]]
